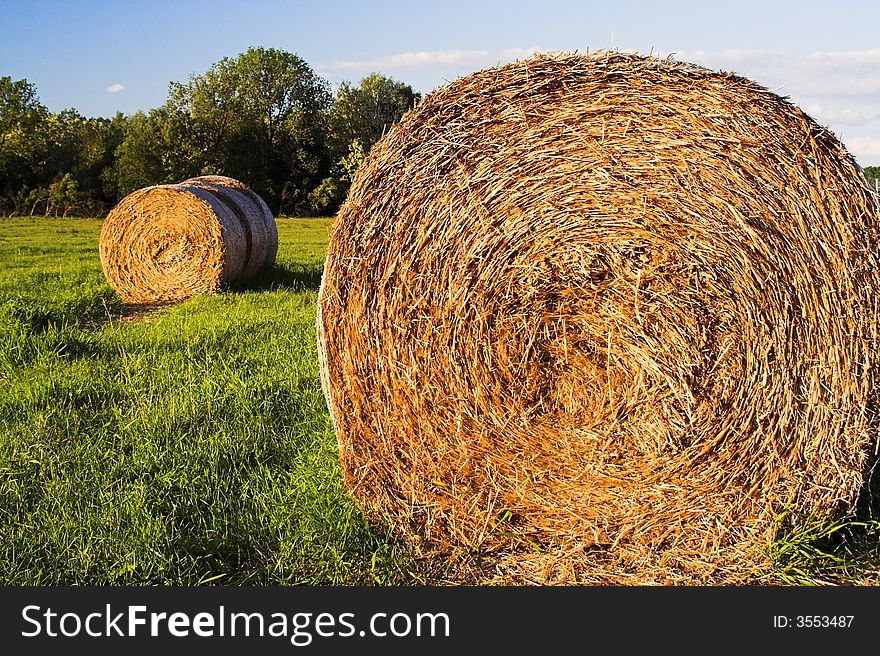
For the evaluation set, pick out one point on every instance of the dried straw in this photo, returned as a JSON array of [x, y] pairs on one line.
[[170, 242], [603, 318]]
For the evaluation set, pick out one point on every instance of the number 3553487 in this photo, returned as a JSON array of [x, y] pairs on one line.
[[823, 621]]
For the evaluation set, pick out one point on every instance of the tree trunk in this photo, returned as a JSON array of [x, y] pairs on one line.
[[37, 202]]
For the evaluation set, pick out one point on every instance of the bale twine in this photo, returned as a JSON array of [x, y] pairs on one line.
[[170, 242], [606, 317]]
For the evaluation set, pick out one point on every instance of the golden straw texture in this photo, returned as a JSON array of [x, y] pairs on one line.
[[603, 318], [170, 242]]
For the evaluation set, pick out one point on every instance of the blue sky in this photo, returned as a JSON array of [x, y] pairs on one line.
[[101, 57]]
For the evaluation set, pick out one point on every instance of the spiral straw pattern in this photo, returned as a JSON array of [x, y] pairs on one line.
[[170, 242], [603, 318]]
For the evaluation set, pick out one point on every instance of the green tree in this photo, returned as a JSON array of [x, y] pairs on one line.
[[22, 141], [84, 148], [364, 112], [361, 115], [140, 158], [263, 117], [872, 174], [65, 196], [43, 154], [98, 140], [260, 117], [326, 197], [353, 160]]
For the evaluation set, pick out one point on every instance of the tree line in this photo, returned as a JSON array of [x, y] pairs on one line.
[[263, 117], [872, 173]]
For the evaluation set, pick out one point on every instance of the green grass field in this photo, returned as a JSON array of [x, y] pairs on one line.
[[190, 444], [181, 445]]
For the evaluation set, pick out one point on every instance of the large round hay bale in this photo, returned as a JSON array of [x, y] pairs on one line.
[[170, 242], [606, 315]]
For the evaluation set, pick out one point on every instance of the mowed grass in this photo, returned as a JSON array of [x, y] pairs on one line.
[[179, 445], [190, 444]]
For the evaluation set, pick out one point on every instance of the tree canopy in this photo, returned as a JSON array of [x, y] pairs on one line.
[[365, 111], [264, 117]]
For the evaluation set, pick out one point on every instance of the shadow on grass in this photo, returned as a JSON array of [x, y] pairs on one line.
[[298, 278]]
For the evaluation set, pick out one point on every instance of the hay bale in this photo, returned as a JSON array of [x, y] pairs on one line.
[[608, 315], [170, 242]]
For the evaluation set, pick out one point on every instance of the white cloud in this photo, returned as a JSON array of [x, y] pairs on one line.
[[866, 149], [847, 58], [115, 88], [840, 89], [732, 59], [411, 60], [837, 116], [834, 77], [851, 72]]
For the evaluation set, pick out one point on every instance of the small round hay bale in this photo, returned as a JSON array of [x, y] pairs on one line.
[[170, 242], [617, 310]]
